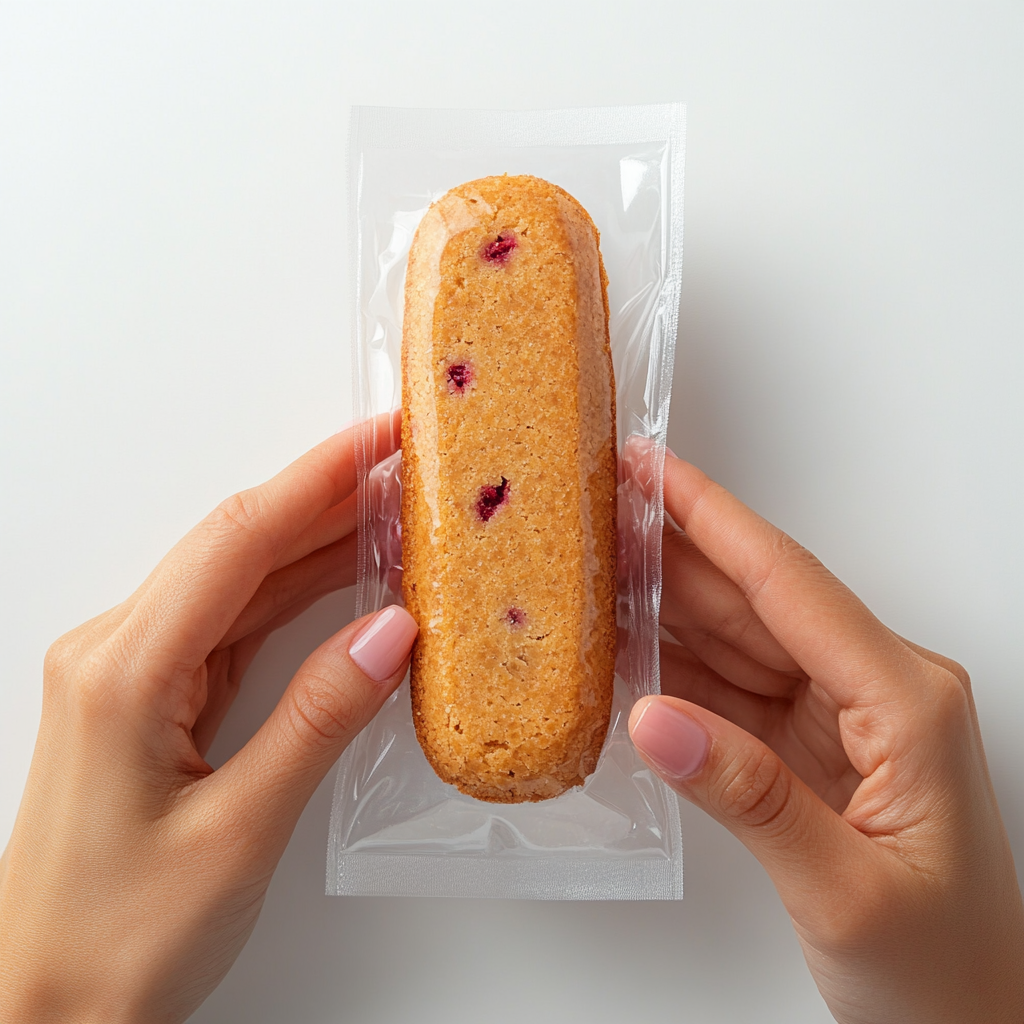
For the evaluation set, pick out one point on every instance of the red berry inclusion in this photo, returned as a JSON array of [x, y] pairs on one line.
[[516, 618], [459, 377], [491, 499], [499, 250]]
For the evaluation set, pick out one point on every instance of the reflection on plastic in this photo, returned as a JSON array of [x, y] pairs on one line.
[[395, 827], [381, 577], [641, 514]]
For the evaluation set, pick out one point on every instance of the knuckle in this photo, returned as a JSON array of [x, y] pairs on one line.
[[782, 551], [81, 661], [59, 658], [244, 512], [88, 685], [755, 790], [946, 668], [949, 697], [323, 712], [959, 673]]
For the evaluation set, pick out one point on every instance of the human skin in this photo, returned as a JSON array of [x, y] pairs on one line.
[[135, 872], [849, 762]]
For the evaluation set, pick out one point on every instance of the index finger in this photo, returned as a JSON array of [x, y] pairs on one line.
[[827, 629], [209, 576]]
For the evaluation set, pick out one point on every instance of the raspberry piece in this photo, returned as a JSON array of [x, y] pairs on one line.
[[491, 499], [459, 377], [515, 618], [500, 249]]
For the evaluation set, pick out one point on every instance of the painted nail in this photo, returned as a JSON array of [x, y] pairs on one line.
[[384, 643], [671, 740]]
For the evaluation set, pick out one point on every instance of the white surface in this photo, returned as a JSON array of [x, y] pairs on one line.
[[851, 362]]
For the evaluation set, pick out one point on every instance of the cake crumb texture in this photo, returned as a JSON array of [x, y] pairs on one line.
[[509, 476]]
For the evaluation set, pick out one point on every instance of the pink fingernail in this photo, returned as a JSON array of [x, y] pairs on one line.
[[668, 451], [674, 743], [384, 643]]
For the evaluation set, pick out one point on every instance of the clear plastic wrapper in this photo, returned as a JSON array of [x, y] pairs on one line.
[[396, 828]]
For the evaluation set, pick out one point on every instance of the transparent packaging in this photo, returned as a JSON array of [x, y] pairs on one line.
[[396, 828]]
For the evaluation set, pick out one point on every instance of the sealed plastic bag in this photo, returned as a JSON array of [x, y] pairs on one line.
[[396, 828]]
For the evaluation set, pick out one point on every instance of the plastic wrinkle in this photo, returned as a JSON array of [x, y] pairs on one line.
[[395, 827]]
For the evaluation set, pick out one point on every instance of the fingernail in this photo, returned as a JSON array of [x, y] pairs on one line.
[[673, 742], [668, 451], [384, 643]]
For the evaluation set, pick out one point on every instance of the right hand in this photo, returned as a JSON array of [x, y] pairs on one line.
[[847, 759]]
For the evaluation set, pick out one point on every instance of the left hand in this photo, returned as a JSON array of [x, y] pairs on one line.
[[135, 872]]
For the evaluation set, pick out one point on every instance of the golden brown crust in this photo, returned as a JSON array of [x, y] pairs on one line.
[[513, 587]]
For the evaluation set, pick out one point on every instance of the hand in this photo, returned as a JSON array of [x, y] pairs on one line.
[[135, 873], [847, 759]]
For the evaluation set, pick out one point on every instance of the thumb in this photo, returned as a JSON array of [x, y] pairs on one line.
[[743, 784], [335, 693]]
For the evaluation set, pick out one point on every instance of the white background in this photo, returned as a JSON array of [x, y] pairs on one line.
[[173, 327]]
